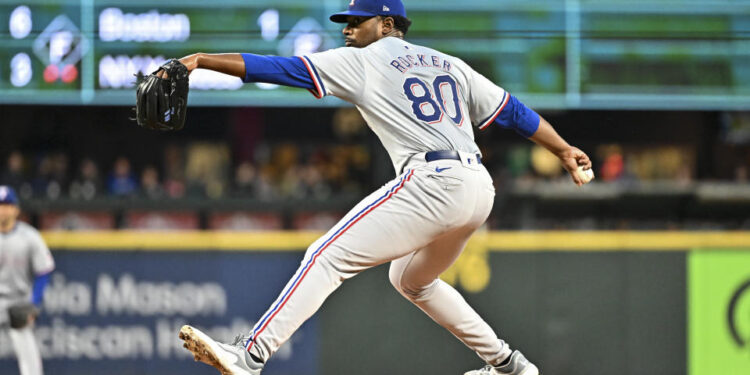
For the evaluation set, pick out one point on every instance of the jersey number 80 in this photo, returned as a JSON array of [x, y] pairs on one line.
[[423, 99]]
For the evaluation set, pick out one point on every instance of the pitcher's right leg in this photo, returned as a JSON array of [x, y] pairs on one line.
[[415, 276]]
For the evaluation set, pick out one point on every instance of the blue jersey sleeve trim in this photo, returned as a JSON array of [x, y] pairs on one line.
[[287, 71], [515, 115], [319, 89], [40, 282], [486, 122]]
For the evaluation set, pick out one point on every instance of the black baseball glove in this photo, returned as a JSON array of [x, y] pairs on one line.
[[161, 103], [21, 314]]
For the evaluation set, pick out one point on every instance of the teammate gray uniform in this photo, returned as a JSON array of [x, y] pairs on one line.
[[422, 105], [23, 257]]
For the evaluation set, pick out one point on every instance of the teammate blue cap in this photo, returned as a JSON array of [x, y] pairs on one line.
[[371, 8], [8, 195]]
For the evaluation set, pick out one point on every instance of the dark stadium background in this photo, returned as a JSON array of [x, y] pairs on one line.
[[644, 271]]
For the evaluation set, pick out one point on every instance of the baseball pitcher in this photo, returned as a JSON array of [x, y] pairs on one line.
[[25, 265], [424, 106]]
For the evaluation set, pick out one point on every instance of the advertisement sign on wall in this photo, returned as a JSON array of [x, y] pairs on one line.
[[719, 312], [122, 310]]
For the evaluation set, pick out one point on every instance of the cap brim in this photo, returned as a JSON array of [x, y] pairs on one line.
[[341, 17]]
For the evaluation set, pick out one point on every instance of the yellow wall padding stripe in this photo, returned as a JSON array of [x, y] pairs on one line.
[[493, 241], [615, 240], [181, 240]]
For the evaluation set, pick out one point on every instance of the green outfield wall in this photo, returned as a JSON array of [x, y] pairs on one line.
[[572, 313], [719, 311], [575, 302]]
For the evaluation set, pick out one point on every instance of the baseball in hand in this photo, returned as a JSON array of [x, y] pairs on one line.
[[585, 175]]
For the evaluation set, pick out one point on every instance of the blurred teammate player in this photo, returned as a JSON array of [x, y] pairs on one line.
[[25, 265], [423, 105]]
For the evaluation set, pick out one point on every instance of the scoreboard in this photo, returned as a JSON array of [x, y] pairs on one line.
[[661, 54], [88, 52]]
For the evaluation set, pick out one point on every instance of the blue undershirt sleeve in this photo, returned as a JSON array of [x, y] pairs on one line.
[[40, 282], [287, 71], [518, 117]]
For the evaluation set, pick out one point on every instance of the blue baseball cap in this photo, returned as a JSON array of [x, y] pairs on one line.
[[371, 8], [8, 195]]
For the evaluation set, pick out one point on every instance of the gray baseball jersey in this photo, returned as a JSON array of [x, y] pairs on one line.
[[23, 255], [433, 109]]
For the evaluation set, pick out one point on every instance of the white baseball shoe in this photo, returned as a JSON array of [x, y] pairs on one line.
[[518, 365], [228, 359]]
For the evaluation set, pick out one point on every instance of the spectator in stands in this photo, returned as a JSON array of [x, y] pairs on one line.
[[121, 182], [740, 174], [51, 180], [290, 185], [43, 176], [312, 183], [87, 184], [174, 172], [265, 189], [741, 168], [59, 180], [14, 175], [249, 182], [245, 177], [150, 186], [206, 169]]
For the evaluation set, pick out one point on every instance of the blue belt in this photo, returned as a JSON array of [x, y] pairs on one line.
[[446, 154]]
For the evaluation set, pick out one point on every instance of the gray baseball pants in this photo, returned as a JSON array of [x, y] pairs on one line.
[[27, 351], [420, 222]]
